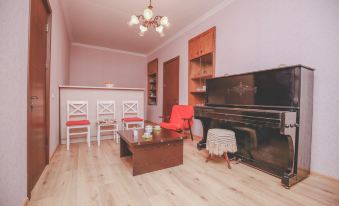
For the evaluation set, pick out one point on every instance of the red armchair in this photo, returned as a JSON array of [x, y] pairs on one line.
[[181, 119]]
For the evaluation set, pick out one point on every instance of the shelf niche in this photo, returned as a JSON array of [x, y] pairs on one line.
[[201, 50], [152, 82]]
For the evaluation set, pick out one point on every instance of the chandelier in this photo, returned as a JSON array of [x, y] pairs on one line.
[[146, 21]]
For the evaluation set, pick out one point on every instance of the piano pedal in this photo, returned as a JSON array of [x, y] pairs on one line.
[[236, 160]]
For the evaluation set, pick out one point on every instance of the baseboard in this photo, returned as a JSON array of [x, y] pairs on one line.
[[54, 152], [330, 178], [25, 202]]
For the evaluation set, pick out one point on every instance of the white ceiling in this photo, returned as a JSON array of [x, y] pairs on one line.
[[104, 22]]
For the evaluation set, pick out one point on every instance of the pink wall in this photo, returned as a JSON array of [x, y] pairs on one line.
[[262, 34], [92, 66], [60, 55], [13, 111]]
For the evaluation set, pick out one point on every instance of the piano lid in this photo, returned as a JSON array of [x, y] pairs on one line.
[[270, 88]]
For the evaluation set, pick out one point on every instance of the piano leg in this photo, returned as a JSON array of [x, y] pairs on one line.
[[206, 123], [289, 177]]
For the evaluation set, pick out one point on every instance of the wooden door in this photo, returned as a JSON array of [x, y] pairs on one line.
[[171, 85], [38, 93]]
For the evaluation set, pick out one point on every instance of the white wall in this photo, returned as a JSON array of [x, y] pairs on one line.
[[60, 59], [93, 66], [262, 34], [13, 111]]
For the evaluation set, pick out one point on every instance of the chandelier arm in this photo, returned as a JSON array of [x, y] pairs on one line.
[[157, 18], [150, 5], [140, 17]]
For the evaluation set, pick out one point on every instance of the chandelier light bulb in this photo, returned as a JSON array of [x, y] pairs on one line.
[[160, 29], [164, 21], [134, 20], [142, 28], [148, 14]]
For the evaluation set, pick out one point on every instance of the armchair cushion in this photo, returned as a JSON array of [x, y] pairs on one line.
[[171, 126]]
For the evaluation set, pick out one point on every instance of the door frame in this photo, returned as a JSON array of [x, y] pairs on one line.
[[163, 79], [47, 85]]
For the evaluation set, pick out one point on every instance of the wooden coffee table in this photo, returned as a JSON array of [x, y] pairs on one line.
[[163, 150]]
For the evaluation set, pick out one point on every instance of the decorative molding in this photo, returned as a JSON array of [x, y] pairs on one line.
[[180, 33], [96, 87], [108, 49], [198, 21]]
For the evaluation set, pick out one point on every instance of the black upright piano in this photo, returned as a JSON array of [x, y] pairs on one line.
[[270, 112]]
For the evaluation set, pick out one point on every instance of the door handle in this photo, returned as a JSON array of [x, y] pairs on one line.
[[32, 104]]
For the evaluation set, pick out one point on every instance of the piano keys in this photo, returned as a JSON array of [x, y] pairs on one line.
[[271, 114]]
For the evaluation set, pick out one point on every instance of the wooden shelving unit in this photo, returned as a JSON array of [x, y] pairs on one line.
[[201, 53], [152, 82]]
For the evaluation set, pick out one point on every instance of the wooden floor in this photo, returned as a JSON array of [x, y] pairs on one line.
[[97, 176]]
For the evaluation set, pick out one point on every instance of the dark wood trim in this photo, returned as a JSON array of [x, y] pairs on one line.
[[47, 5], [163, 78], [48, 78], [169, 61], [47, 97], [59, 117], [28, 103]]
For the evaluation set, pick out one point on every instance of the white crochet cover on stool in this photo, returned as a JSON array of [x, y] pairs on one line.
[[220, 141]]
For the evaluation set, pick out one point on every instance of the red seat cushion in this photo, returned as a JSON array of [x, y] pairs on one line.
[[132, 119], [171, 126], [77, 123]]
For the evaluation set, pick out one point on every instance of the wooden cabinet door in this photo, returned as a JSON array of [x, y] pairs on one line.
[[153, 67], [190, 49], [202, 44], [206, 43], [194, 48]]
